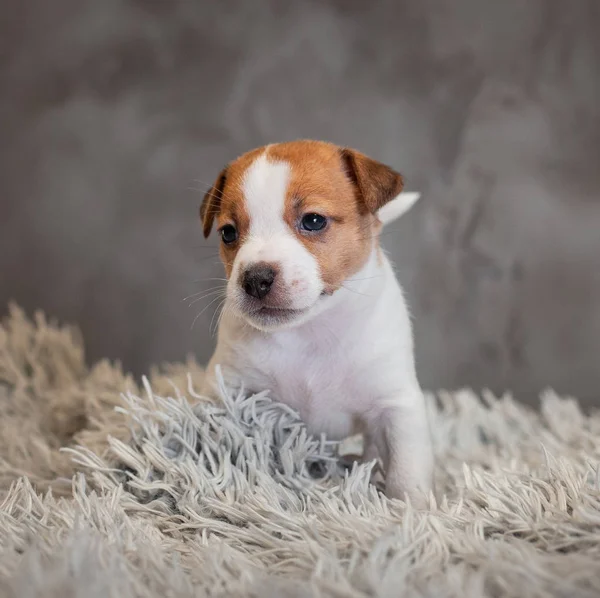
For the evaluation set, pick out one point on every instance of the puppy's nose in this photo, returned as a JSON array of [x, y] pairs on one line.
[[258, 280]]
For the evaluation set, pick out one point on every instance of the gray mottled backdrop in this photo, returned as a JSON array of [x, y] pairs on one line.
[[114, 115]]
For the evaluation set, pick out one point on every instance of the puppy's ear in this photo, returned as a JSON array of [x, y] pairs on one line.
[[211, 204], [376, 183], [398, 206]]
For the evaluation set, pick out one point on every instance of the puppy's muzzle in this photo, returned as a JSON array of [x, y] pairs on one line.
[[257, 280]]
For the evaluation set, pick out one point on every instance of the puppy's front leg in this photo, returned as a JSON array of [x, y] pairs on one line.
[[403, 439]]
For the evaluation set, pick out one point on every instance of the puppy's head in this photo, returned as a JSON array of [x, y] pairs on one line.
[[296, 220]]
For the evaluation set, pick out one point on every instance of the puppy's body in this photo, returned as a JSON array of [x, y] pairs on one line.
[[331, 336]]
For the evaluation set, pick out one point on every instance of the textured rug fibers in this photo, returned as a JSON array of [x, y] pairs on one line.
[[110, 487]]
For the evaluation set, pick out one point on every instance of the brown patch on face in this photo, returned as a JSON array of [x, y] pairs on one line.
[[224, 201], [319, 185], [322, 183], [343, 185]]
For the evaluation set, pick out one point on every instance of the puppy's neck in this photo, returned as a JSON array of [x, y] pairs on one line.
[[363, 287]]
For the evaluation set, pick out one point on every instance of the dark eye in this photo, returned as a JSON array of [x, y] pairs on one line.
[[229, 234], [313, 222]]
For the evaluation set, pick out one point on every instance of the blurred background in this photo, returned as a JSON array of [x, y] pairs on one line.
[[116, 115]]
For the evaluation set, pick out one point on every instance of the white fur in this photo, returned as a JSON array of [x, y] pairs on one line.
[[347, 364], [271, 240], [398, 206]]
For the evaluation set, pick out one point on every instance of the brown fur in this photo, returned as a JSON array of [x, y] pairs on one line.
[[225, 201], [344, 185]]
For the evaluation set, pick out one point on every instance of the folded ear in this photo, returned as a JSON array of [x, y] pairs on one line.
[[376, 183], [211, 204]]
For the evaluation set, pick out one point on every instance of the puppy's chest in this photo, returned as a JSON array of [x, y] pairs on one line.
[[323, 384]]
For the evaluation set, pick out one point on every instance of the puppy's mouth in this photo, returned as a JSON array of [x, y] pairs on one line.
[[274, 316], [278, 311]]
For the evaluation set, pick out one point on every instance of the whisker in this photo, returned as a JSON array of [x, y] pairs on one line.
[[211, 193], [199, 314], [209, 185], [388, 232], [218, 288], [366, 278], [194, 189], [223, 311], [210, 331], [205, 297], [199, 280], [357, 292], [210, 279]]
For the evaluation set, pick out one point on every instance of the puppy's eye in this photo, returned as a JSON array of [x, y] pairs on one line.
[[313, 222], [229, 234]]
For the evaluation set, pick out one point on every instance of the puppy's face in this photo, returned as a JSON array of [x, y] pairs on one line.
[[296, 220]]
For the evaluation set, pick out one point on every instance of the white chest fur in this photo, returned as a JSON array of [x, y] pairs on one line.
[[340, 368]]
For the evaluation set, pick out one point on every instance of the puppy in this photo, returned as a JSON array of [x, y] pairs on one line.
[[313, 311]]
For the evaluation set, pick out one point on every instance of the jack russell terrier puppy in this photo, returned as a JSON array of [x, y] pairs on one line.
[[313, 310]]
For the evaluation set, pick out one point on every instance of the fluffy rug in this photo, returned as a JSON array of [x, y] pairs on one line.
[[110, 488]]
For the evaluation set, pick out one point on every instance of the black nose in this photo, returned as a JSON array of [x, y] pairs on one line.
[[258, 280]]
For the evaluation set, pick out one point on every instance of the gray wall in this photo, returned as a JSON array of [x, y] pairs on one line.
[[114, 115]]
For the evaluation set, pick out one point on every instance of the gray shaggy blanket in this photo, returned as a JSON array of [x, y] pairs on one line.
[[110, 488]]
